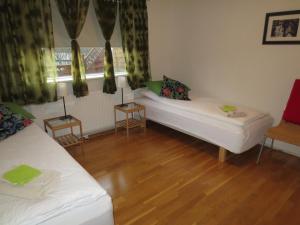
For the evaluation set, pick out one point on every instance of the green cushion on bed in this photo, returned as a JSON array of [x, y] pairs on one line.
[[21, 175], [155, 86], [174, 89], [15, 108]]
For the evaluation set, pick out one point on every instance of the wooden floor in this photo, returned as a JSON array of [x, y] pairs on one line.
[[165, 177]]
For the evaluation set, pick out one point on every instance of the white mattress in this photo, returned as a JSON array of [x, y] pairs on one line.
[[208, 108], [97, 213], [235, 135], [75, 190]]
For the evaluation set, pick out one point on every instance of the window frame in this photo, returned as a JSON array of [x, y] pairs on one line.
[[89, 76]]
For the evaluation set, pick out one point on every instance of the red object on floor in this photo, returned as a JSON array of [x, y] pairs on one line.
[[292, 110]]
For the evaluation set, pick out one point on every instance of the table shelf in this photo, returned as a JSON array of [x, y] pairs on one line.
[[68, 140], [131, 123]]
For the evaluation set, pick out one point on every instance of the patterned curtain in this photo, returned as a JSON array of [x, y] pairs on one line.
[[134, 31], [26, 52], [106, 12], [74, 13]]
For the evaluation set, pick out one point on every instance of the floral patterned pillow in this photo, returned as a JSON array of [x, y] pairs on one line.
[[11, 123], [174, 89]]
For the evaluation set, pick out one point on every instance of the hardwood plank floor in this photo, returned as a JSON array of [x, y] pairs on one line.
[[165, 177]]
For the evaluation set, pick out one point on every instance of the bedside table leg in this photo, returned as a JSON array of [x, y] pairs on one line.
[[127, 124], [81, 135], [145, 124], [81, 138], [115, 121]]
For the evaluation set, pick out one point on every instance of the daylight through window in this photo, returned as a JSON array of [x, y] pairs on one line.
[[93, 58]]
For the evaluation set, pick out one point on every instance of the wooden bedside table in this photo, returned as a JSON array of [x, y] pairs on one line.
[[130, 121], [56, 123]]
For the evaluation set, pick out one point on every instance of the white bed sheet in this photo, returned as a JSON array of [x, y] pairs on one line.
[[209, 108], [76, 189], [96, 213], [231, 136]]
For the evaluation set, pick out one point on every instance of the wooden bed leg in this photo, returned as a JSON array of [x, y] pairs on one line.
[[222, 154]]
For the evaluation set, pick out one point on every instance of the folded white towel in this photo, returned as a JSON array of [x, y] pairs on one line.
[[39, 188], [236, 114]]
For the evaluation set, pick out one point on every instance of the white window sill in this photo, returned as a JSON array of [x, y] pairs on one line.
[[89, 76]]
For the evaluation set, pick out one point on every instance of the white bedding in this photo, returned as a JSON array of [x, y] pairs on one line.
[[38, 188], [208, 107], [234, 134], [76, 189]]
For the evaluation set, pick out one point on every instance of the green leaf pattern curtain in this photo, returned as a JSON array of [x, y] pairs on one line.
[[74, 14], [134, 31], [26, 53], [106, 12]]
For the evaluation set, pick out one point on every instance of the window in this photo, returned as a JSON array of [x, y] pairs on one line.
[[93, 60]]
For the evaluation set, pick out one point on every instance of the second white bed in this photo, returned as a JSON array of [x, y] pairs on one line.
[[235, 135]]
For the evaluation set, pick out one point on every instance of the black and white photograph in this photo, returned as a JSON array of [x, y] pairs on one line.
[[282, 28], [285, 28]]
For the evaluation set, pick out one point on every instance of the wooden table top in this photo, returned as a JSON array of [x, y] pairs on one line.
[[57, 123], [130, 107]]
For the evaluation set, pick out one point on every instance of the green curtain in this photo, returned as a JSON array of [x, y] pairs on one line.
[[26, 52], [134, 32], [106, 12], [74, 14]]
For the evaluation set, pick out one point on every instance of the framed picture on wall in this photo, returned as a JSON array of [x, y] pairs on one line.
[[282, 28]]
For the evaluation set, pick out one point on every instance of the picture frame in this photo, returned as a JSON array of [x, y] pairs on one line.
[[282, 28]]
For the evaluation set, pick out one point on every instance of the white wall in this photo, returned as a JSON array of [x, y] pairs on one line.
[[215, 48], [95, 110]]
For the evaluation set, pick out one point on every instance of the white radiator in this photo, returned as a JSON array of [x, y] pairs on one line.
[[95, 110]]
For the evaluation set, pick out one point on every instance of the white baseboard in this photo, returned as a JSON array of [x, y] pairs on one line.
[[284, 147]]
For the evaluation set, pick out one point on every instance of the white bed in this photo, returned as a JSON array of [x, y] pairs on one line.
[[202, 118], [77, 199]]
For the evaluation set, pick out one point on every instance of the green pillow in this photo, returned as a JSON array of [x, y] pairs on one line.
[[155, 86], [15, 108], [21, 175]]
